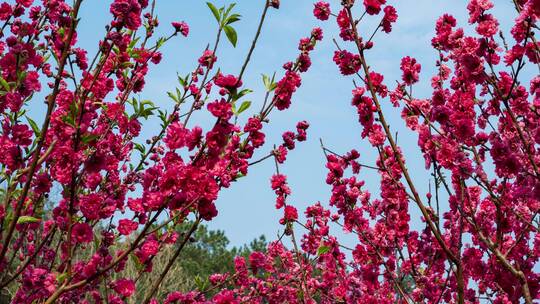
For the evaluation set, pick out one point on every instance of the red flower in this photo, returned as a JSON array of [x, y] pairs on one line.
[[124, 287], [279, 181], [126, 227], [285, 88], [321, 10], [82, 233], [127, 13], [181, 27], [290, 214], [317, 34], [274, 4], [280, 154], [5, 11], [373, 7], [221, 109], [410, 69], [348, 62], [229, 82], [149, 248], [257, 260], [90, 206], [390, 16], [207, 59]]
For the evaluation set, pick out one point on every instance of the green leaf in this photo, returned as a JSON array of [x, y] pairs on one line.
[[139, 147], [232, 18], [181, 80], [230, 8], [69, 120], [172, 96], [244, 106], [135, 105], [200, 282], [34, 126], [89, 138], [231, 34], [270, 84], [147, 102], [243, 92], [133, 42], [323, 250], [61, 277], [215, 11], [4, 83], [163, 117], [148, 112], [21, 75], [160, 42], [266, 81], [96, 241], [138, 264], [27, 219]]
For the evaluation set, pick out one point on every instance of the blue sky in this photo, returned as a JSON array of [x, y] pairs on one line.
[[246, 210]]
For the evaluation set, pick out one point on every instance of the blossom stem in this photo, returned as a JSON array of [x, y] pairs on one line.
[[254, 42]]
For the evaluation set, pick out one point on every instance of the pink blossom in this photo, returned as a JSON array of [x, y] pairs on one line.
[[124, 287], [82, 233], [321, 10], [181, 27], [126, 227]]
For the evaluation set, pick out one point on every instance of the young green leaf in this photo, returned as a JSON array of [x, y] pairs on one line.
[[139, 147], [266, 81], [172, 96], [244, 106], [4, 84], [323, 250], [33, 125], [89, 138], [233, 107], [133, 42], [232, 18], [242, 93], [229, 9], [61, 277], [215, 11], [27, 219], [231, 34]]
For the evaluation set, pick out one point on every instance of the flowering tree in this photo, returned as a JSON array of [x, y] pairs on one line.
[[121, 201], [87, 146], [478, 135]]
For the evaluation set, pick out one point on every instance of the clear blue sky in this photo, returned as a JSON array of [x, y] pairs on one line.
[[247, 209]]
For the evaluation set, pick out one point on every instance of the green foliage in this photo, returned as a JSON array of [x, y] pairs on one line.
[[224, 19], [269, 83], [27, 219], [231, 34], [209, 253]]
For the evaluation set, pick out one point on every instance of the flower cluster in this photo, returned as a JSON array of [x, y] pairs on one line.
[[292, 81]]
